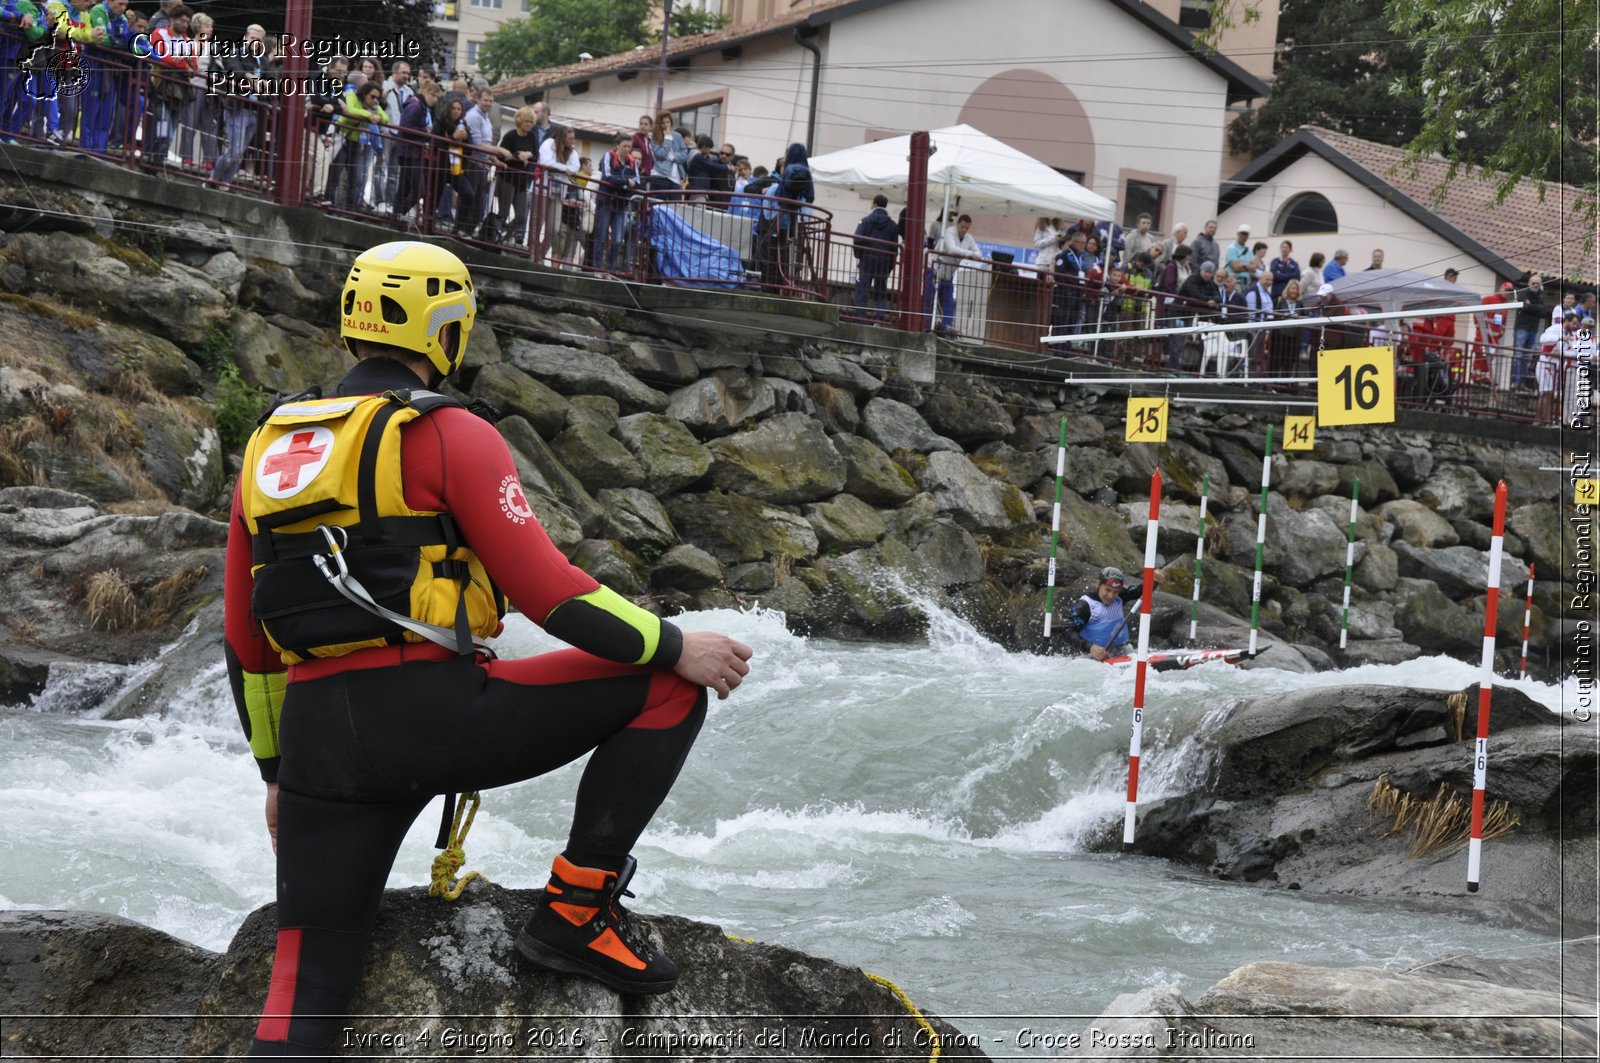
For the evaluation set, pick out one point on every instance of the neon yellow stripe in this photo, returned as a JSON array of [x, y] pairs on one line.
[[648, 625], [263, 700]]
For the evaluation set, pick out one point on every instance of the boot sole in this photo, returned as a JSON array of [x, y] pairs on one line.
[[537, 952]]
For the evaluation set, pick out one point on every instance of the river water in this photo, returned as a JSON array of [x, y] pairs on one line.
[[918, 811]]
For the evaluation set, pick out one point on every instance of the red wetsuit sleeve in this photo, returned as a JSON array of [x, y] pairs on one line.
[[455, 461], [256, 672]]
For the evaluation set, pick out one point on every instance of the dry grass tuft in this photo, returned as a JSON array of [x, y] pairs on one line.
[[109, 600], [1440, 822], [165, 599]]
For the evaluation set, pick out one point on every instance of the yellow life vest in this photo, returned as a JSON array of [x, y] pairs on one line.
[[340, 561]]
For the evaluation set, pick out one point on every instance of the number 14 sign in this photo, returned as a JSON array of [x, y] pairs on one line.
[[1356, 386]]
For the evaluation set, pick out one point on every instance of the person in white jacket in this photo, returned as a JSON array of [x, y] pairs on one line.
[[558, 161], [955, 245], [1046, 241]]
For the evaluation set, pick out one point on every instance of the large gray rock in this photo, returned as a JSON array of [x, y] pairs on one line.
[[867, 593], [1411, 466], [946, 554], [1377, 486], [844, 522], [1186, 471], [785, 459], [271, 357], [722, 402], [1418, 525], [518, 394], [85, 472], [1428, 618], [893, 425], [658, 363], [1020, 467], [637, 519], [977, 501], [672, 457], [1458, 491], [835, 407], [1305, 478], [841, 372], [1300, 545], [1379, 569], [452, 960], [106, 354], [1460, 571], [686, 568], [181, 457], [1386, 651], [1369, 526], [1550, 538], [734, 528], [613, 565], [269, 288], [574, 372], [596, 459], [960, 411], [871, 475]]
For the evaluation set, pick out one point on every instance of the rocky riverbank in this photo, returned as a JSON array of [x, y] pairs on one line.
[[692, 465]]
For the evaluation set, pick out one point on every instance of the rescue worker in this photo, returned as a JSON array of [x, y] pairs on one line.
[[372, 537], [1100, 621]]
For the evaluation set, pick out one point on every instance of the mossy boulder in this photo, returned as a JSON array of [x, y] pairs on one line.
[[612, 564], [844, 522], [957, 409], [785, 459], [835, 407], [686, 568], [1377, 485], [977, 501], [180, 456], [1184, 469], [517, 394], [273, 358], [670, 454], [596, 459], [735, 528], [867, 594], [637, 519], [871, 475], [1418, 525], [1094, 534]]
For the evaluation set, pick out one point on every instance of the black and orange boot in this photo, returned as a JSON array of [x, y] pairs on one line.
[[580, 927]]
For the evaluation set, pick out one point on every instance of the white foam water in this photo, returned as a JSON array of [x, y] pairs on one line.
[[917, 810]]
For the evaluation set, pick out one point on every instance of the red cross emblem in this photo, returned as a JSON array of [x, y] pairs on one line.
[[291, 457]]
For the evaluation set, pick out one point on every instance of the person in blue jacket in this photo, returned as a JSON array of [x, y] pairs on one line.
[[875, 247], [1100, 620]]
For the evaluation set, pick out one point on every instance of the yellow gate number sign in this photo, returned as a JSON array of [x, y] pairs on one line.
[[1586, 492], [1299, 432], [1147, 421], [1356, 386]]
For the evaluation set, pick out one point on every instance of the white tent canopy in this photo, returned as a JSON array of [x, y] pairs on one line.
[[982, 173]]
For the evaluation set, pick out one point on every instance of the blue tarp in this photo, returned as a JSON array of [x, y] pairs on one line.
[[687, 256]]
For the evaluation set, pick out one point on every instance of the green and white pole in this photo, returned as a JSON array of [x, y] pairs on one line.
[[1261, 542], [1055, 530], [1199, 556], [1349, 566]]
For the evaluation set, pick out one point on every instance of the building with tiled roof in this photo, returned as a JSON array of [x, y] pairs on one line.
[[1115, 94], [1325, 190]]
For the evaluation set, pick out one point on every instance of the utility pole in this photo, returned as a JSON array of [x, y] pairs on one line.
[[292, 108], [661, 74]]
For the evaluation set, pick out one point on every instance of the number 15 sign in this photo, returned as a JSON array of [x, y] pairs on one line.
[[1356, 386]]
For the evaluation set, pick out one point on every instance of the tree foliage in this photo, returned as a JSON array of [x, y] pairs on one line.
[[1506, 88], [1338, 65], [558, 32], [689, 21], [380, 22]]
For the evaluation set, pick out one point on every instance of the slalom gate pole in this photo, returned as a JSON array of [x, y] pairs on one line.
[[1527, 621], [1055, 530], [1261, 542], [1142, 660], [1480, 752], [1349, 566], [1199, 556]]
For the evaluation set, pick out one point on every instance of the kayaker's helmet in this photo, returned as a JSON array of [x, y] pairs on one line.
[[1110, 574], [408, 294]]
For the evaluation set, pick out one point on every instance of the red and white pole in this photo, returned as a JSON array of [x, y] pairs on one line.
[[1527, 622], [1480, 751], [1142, 660]]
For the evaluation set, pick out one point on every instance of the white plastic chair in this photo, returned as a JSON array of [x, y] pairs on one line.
[[1224, 350]]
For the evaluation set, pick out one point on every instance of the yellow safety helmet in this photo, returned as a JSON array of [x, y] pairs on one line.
[[403, 294]]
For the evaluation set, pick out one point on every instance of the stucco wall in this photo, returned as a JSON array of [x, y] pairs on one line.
[[1366, 222]]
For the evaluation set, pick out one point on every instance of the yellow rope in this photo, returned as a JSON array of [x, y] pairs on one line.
[[900, 994], [916, 1013], [447, 863]]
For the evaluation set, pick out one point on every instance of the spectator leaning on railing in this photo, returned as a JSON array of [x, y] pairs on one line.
[[361, 108], [103, 83], [325, 107], [173, 51], [245, 71], [562, 212], [619, 178], [416, 122], [875, 252], [27, 29]]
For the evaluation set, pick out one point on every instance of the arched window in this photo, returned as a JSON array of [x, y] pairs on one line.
[[1309, 212]]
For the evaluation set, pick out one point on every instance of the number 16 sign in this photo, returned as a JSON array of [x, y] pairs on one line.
[[1356, 386]]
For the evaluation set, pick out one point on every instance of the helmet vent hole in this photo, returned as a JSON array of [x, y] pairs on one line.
[[433, 286], [393, 312], [349, 302], [452, 286]]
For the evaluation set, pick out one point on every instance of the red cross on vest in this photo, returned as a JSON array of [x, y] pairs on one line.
[[287, 465]]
